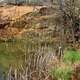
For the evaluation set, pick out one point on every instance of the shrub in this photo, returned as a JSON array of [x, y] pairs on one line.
[[71, 55], [59, 73]]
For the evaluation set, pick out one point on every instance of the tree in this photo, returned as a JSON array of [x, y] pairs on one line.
[[69, 14]]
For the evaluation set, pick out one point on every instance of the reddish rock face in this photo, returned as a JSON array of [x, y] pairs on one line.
[[3, 23]]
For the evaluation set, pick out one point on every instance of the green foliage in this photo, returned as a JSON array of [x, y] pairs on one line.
[[71, 55], [61, 73], [63, 70], [35, 14]]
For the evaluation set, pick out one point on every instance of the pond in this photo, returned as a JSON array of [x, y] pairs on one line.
[[12, 53]]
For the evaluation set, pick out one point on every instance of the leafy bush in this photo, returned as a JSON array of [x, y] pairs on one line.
[[71, 55], [63, 70], [60, 73]]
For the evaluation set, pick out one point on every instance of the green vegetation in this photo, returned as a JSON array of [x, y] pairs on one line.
[[64, 69], [71, 55], [31, 45], [63, 73]]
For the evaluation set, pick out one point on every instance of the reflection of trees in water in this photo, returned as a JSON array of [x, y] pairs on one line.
[[2, 73], [35, 65]]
